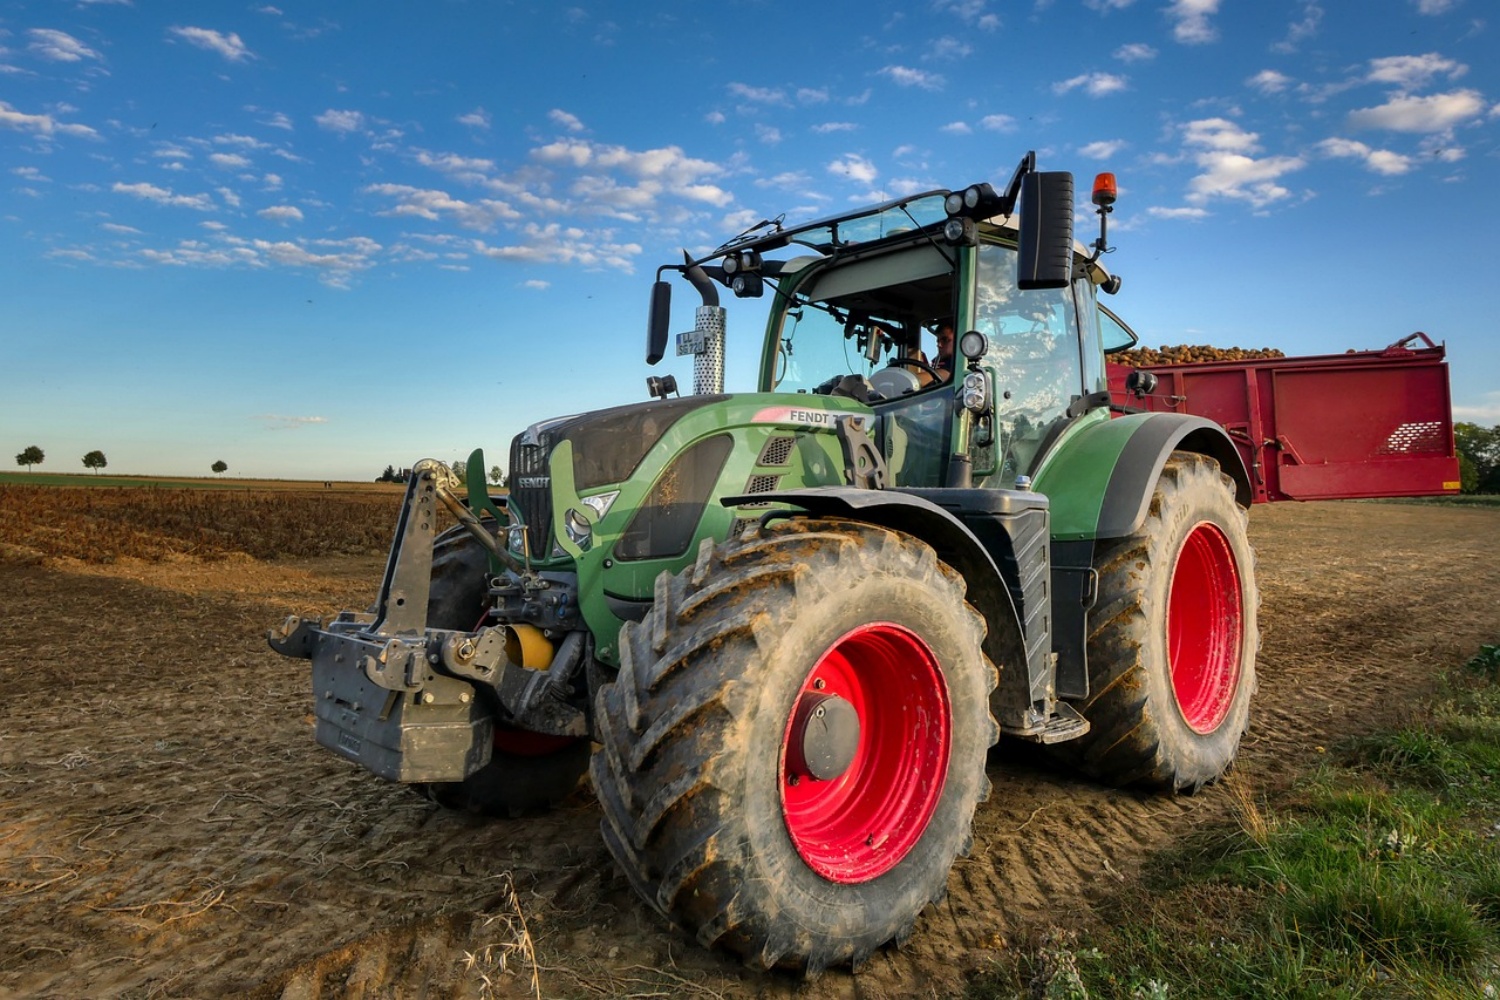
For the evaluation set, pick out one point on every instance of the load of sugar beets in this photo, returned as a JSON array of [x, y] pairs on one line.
[[1190, 354], [781, 630]]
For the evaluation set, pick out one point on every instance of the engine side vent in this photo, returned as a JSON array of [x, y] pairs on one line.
[[762, 484], [776, 451]]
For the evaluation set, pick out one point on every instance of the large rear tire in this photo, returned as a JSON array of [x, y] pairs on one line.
[[794, 747], [1172, 638], [527, 772]]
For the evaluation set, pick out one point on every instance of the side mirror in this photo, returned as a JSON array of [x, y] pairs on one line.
[[1046, 257], [658, 322]]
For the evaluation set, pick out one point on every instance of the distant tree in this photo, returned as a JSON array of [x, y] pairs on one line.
[[1479, 449], [219, 467], [497, 476], [461, 470], [95, 460], [31, 456], [388, 476]]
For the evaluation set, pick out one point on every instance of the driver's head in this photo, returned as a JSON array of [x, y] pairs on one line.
[[944, 334]]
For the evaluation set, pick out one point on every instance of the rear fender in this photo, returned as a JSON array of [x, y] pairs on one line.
[[956, 545], [1100, 481]]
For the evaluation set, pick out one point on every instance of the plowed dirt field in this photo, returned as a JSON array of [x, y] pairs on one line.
[[168, 828]]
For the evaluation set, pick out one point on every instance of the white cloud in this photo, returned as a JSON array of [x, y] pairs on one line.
[[1102, 150], [1421, 114], [905, 76], [272, 182], [948, 48], [565, 120], [1191, 25], [826, 128], [59, 46], [1220, 134], [1299, 31], [1135, 52], [768, 134], [277, 422], [229, 46], [1269, 81], [434, 205], [558, 244], [230, 198], [970, 12], [39, 124], [278, 120], [281, 213], [1410, 72], [1487, 412], [340, 121], [1094, 84], [854, 168], [229, 161], [1380, 161], [1105, 6], [1159, 212], [478, 118], [164, 196], [1432, 8], [115, 227], [1228, 172], [715, 118], [536, 285], [997, 123], [956, 128], [758, 95], [810, 95]]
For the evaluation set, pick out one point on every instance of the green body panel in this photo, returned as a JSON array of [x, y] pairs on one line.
[[1076, 472], [750, 420]]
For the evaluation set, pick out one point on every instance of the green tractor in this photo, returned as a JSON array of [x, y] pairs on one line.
[[781, 630]]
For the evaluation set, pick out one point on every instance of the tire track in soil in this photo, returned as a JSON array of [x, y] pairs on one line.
[[176, 832]]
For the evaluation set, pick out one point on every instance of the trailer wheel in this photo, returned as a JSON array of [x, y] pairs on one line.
[[527, 771], [1173, 638], [794, 746]]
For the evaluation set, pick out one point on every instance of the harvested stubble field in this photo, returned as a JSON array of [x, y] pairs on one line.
[[170, 829]]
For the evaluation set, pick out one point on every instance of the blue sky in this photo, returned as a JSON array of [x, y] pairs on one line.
[[314, 240]]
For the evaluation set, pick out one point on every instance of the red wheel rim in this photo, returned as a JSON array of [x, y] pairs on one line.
[[859, 825], [520, 743], [1205, 627]]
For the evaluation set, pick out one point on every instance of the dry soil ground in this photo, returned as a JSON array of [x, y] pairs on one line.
[[168, 828]]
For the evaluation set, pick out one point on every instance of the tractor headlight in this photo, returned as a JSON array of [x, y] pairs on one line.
[[578, 529], [600, 503], [975, 393], [515, 539]]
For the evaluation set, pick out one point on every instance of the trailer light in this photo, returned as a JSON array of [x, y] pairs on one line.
[[600, 503], [954, 203], [731, 265], [975, 396]]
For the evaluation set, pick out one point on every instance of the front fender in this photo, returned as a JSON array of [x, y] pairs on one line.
[[1100, 479], [1007, 642]]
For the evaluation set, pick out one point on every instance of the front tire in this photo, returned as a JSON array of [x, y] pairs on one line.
[[794, 747], [1173, 638], [527, 772]]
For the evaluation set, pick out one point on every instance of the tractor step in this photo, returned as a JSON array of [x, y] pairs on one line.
[[1064, 724]]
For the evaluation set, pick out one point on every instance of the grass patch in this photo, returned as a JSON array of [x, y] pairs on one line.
[[1378, 876]]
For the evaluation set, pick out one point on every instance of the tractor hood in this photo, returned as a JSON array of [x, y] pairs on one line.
[[608, 445]]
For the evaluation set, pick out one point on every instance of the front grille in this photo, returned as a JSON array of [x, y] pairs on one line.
[[531, 494]]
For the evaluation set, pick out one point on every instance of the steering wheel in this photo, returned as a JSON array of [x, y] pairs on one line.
[[917, 363]]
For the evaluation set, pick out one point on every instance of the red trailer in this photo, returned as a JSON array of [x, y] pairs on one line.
[[1323, 427]]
